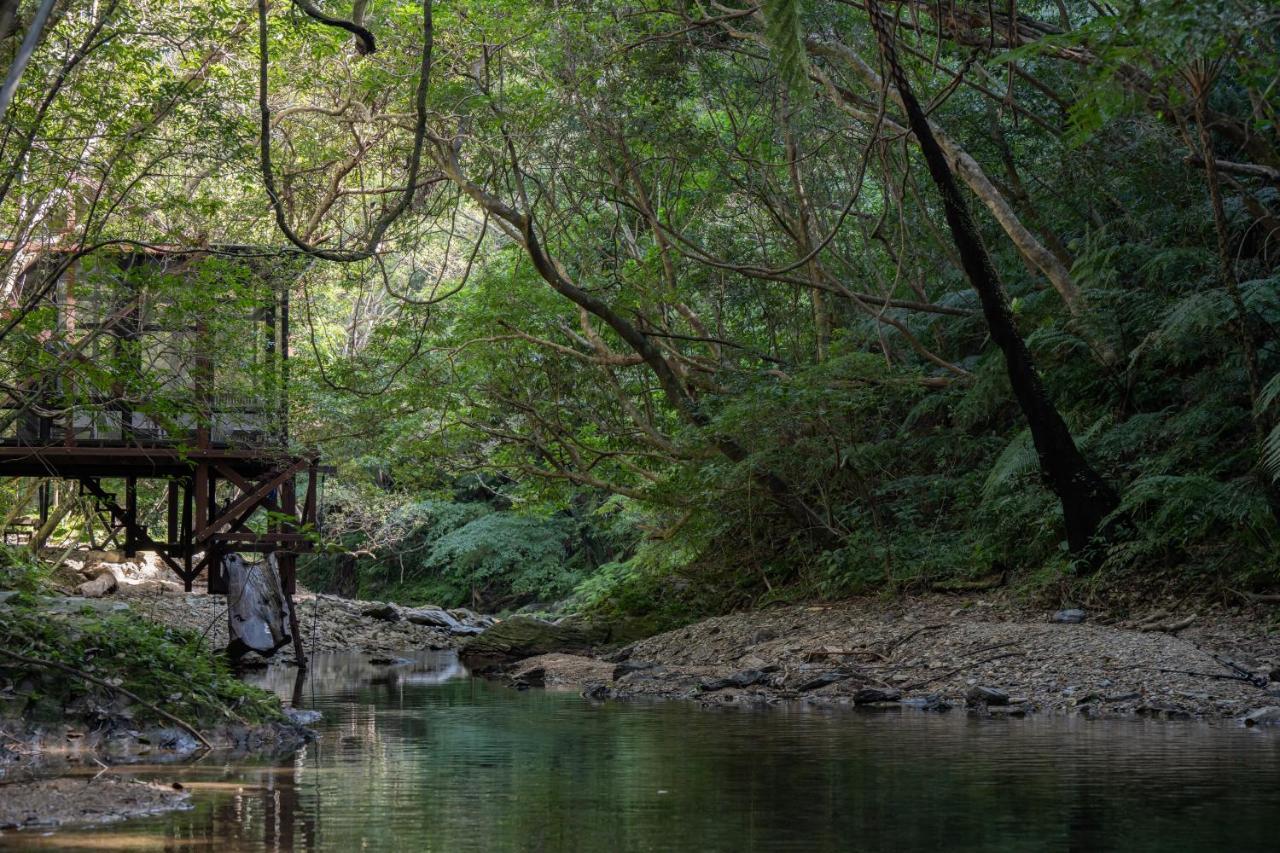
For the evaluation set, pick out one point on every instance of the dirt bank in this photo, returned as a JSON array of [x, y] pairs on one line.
[[991, 656], [103, 798]]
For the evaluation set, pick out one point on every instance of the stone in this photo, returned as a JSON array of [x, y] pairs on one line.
[[746, 678], [597, 692], [762, 635], [1123, 697], [871, 695], [821, 680], [1070, 616], [431, 616], [383, 612], [523, 637], [104, 583], [980, 695], [625, 668], [302, 717], [1268, 716]]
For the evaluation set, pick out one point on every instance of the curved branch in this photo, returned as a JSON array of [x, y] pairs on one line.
[[365, 43]]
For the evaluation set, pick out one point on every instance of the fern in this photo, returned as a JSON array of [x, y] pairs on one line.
[[1267, 398], [1017, 458]]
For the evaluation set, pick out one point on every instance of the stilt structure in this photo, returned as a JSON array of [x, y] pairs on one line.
[[155, 383]]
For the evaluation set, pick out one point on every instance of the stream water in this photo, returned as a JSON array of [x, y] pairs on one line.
[[422, 757]]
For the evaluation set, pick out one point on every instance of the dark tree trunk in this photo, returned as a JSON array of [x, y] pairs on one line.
[[1086, 498], [346, 582]]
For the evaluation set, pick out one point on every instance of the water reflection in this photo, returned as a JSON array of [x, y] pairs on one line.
[[416, 756]]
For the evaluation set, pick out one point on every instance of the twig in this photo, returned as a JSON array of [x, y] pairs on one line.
[[127, 693]]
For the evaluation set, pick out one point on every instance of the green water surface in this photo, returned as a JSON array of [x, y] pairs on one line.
[[421, 757]]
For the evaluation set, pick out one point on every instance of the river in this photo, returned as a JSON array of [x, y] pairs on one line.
[[422, 757]]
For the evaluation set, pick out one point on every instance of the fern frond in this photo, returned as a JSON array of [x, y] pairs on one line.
[[1269, 394], [1271, 453], [1018, 457]]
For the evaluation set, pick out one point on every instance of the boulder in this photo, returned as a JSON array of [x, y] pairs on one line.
[[1268, 716], [433, 617], [104, 583], [1071, 616], [979, 695], [523, 637], [872, 695], [383, 612]]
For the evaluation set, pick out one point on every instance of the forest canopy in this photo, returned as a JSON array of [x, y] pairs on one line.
[[673, 307]]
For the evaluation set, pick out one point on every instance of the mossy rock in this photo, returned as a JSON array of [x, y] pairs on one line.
[[524, 636]]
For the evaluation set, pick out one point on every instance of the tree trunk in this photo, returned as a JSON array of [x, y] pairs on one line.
[[1086, 498]]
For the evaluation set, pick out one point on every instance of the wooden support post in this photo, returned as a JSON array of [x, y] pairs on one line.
[[188, 550], [131, 515], [172, 515], [201, 498]]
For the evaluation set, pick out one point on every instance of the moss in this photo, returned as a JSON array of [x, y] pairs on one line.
[[169, 668]]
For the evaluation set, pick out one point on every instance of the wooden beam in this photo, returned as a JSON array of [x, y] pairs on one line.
[[244, 506], [245, 485], [134, 532]]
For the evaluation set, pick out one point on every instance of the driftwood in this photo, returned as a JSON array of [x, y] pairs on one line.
[[257, 610]]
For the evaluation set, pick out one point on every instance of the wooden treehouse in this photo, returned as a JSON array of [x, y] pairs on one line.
[[165, 374]]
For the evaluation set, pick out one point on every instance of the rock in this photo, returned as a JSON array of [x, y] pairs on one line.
[[932, 702], [1268, 716], [598, 692], [979, 695], [302, 717], [104, 583], [432, 616], [624, 669], [382, 612], [523, 637], [1123, 697], [466, 630], [762, 635], [746, 678], [1160, 711], [870, 695], [1071, 616], [535, 677], [821, 680], [74, 604]]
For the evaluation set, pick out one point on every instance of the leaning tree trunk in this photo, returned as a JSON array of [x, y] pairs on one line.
[[1086, 498], [257, 610]]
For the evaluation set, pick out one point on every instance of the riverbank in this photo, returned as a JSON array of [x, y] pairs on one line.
[[987, 655], [328, 623]]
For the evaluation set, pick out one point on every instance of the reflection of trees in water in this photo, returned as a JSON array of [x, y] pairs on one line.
[[471, 765], [335, 674]]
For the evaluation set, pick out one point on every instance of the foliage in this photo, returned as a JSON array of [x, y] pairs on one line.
[[166, 667], [675, 298]]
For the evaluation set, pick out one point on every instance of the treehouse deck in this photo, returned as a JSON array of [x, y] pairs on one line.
[[153, 371]]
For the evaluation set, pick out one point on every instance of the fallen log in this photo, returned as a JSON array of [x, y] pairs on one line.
[[257, 610]]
